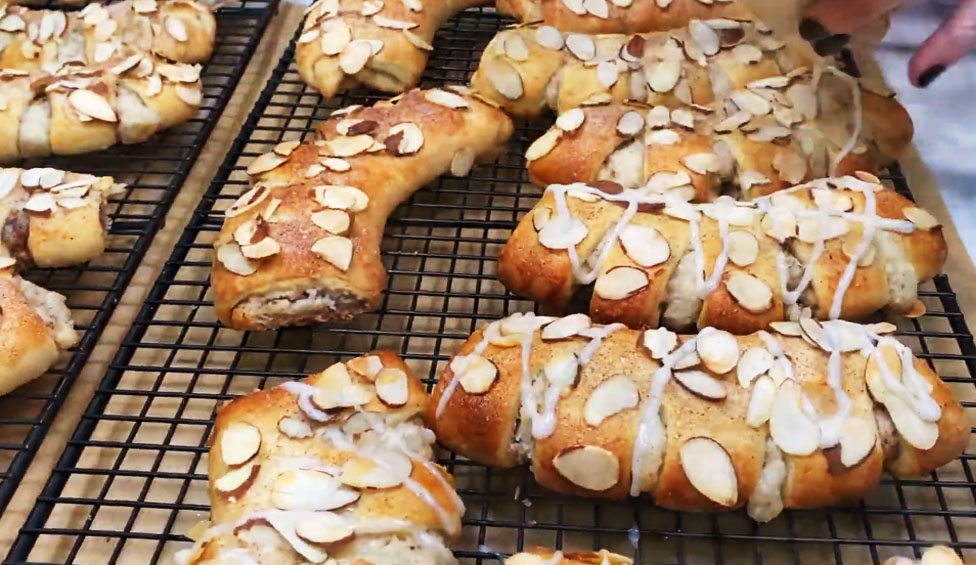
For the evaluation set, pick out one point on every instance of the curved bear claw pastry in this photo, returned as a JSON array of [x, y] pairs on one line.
[[383, 44], [303, 245], [335, 467], [841, 247], [802, 417]]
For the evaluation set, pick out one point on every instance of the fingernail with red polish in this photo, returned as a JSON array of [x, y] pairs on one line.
[[930, 75]]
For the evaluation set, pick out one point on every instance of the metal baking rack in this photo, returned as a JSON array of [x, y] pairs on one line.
[[154, 172], [132, 480]]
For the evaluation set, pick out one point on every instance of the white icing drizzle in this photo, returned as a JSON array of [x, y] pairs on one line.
[[303, 393], [867, 237], [912, 387], [830, 426], [455, 378], [857, 118]]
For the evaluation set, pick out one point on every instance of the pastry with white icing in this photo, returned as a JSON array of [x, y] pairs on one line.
[[335, 469], [840, 247], [803, 416]]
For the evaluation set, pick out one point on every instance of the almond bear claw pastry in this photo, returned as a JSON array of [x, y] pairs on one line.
[[621, 16], [335, 468], [383, 44], [842, 247], [303, 245], [805, 416]]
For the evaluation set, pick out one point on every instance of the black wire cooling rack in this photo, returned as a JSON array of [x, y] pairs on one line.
[[154, 172], [132, 480]]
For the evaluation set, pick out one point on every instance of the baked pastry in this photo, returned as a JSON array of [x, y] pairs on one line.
[[621, 16], [333, 469], [303, 245], [52, 218], [842, 247], [545, 556], [81, 109], [748, 81], [935, 555], [804, 417], [46, 40], [383, 45], [35, 327]]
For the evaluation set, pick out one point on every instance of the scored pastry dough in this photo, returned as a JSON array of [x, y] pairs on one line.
[[383, 44], [621, 16], [52, 218], [844, 247], [336, 468], [731, 69], [46, 40], [803, 417], [303, 245]]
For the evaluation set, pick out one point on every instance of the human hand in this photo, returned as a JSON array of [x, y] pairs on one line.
[[827, 24]]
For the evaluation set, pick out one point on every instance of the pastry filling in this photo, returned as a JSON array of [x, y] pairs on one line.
[[300, 307], [52, 310]]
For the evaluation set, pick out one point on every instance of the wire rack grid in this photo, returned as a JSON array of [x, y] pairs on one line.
[[154, 171], [133, 480]]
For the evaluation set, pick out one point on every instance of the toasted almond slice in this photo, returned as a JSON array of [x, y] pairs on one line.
[[813, 331], [630, 124], [333, 221], [544, 145], [391, 387], [779, 225], [336, 250], [581, 46], [743, 248], [791, 167], [310, 490], [192, 95], [664, 181], [323, 528], [753, 363], [235, 482], [662, 137], [50, 178], [659, 342], [607, 73], [620, 283], [751, 102], [336, 38], [309, 36], [504, 77], [93, 105], [709, 469], [265, 163], [263, 248], [478, 376], [761, 401], [789, 426], [40, 202], [688, 361], [791, 329], [589, 467], [286, 148], [371, 7], [413, 5], [610, 397], [702, 163], [705, 36], [938, 555], [684, 118], [417, 41], [231, 257], [239, 443], [702, 384], [575, 6], [382, 470], [857, 440], [176, 29], [103, 52], [247, 201], [747, 53], [750, 292], [179, 73], [663, 76], [549, 37], [355, 55], [598, 8], [348, 146], [334, 164], [804, 99], [570, 120], [445, 98], [462, 162], [922, 219], [411, 141], [12, 23], [645, 245], [390, 23], [718, 349], [566, 327], [659, 117], [294, 427], [916, 431], [515, 47], [368, 366], [154, 85]]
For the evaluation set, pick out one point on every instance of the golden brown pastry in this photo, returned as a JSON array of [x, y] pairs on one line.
[[544, 556], [842, 247], [80, 109], [46, 40], [733, 73], [52, 218], [303, 245], [935, 555], [804, 417], [35, 327], [381, 44], [334, 469], [621, 16]]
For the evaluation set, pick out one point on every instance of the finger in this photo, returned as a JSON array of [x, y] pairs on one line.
[[954, 38], [822, 18]]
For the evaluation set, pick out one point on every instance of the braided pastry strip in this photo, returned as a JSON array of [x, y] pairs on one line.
[[843, 247], [335, 467], [304, 244], [383, 44], [802, 418], [182, 31]]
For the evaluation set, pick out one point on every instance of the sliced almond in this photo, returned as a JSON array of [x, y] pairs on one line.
[[857, 440], [368, 366], [515, 47], [761, 401], [607, 73], [659, 342], [336, 250], [341, 197], [709, 469], [611, 397], [747, 53], [751, 102], [570, 120], [235, 482], [789, 426], [702, 384], [581, 46], [333, 221], [391, 23], [264, 248], [179, 73], [684, 118], [193, 96], [575, 6], [445, 98], [231, 257], [779, 225], [922, 219], [559, 234], [664, 181], [411, 139], [265, 163], [382, 470], [478, 375], [874, 373], [916, 431], [791, 167], [239, 443], [504, 77], [565, 327], [323, 529], [392, 387], [702, 163], [804, 99], [621, 283], [645, 245], [814, 332], [295, 427], [743, 248], [310, 490], [938, 555], [705, 36], [753, 363], [718, 350], [348, 146], [92, 105], [598, 8], [663, 76], [662, 137], [544, 145], [751, 293], [354, 56], [549, 37], [176, 29], [688, 361], [630, 124], [588, 466], [462, 162]]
